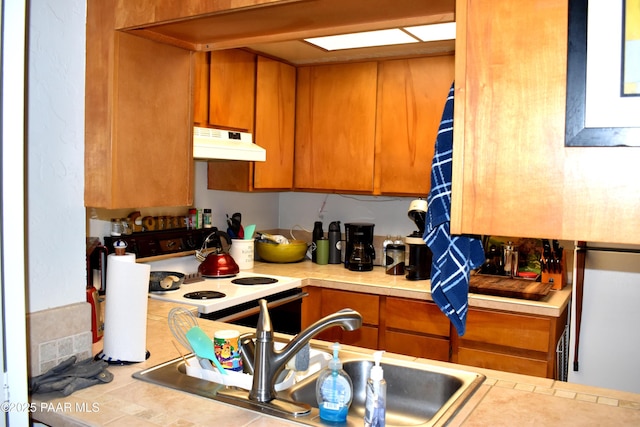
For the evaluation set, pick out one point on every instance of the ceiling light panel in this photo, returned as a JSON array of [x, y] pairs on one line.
[[434, 32], [364, 39]]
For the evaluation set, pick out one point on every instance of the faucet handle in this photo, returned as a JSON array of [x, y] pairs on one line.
[[247, 351]]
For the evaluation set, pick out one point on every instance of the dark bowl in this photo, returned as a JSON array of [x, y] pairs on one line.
[[156, 283]]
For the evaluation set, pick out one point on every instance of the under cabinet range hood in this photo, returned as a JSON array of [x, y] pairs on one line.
[[220, 144]]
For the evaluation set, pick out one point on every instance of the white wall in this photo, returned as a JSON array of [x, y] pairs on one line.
[[55, 160], [389, 214], [287, 209]]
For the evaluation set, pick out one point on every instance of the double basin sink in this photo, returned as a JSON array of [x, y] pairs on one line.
[[417, 394]]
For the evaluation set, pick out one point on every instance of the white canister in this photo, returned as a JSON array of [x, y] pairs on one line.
[[241, 251]]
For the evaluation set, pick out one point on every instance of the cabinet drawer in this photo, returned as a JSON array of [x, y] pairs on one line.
[[509, 330], [503, 362], [417, 345], [367, 305], [416, 316]]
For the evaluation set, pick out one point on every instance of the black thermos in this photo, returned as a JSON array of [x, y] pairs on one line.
[[334, 242], [316, 235]]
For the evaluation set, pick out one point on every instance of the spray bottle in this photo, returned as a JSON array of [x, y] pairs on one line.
[[376, 403]]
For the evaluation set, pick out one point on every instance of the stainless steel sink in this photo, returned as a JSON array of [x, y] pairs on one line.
[[415, 397], [417, 394]]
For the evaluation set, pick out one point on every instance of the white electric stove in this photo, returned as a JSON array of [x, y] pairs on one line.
[[213, 295]]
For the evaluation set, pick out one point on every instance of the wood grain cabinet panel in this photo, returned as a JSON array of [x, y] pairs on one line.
[[510, 342], [504, 362], [411, 96], [510, 330], [232, 89], [335, 127], [417, 345], [367, 305], [275, 124], [201, 88], [274, 131], [509, 134], [138, 151], [417, 316]]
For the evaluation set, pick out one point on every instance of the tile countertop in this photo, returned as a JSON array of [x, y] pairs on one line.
[[503, 399], [377, 282]]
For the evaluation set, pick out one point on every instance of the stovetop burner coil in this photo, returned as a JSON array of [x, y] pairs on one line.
[[254, 280], [204, 295]]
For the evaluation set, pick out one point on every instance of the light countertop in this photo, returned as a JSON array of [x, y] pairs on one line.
[[503, 399], [378, 282]]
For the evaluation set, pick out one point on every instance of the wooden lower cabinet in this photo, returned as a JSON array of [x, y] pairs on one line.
[[510, 342], [416, 328], [322, 302]]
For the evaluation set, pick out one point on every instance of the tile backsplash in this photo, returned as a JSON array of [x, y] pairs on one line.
[[56, 334]]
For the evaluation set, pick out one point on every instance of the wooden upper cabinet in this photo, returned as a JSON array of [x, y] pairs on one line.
[[275, 123], [232, 89], [411, 97], [274, 131], [513, 175], [201, 88], [138, 118], [335, 127]]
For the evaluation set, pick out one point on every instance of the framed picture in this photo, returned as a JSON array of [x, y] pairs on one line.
[[603, 87]]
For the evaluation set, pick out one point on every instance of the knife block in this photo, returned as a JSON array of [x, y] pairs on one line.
[[556, 279]]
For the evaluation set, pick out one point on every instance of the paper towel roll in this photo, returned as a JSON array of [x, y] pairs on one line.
[[125, 315]]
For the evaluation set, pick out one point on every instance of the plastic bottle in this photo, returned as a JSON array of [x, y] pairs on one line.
[[317, 234], [376, 400], [207, 219], [334, 242], [334, 390]]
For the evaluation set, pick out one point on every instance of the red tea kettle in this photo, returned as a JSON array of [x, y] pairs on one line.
[[215, 261]]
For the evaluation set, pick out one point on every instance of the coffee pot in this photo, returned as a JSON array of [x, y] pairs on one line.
[[420, 256], [359, 250]]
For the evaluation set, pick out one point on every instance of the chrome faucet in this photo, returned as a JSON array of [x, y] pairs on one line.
[[269, 362]]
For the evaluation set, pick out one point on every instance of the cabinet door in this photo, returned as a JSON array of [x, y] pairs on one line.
[[201, 89], [275, 116], [513, 176], [138, 150], [425, 333], [335, 127], [275, 113], [411, 96], [322, 302], [232, 89]]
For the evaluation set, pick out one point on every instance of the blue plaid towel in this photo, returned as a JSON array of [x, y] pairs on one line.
[[453, 256]]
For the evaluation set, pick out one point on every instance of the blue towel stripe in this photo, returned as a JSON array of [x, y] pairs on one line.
[[453, 256]]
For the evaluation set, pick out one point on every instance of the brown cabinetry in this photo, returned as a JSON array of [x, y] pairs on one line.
[[273, 99], [322, 302], [416, 328], [411, 96], [511, 342], [335, 127], [232, 89], [376, 120], [513, 176], [138, 118], [524, 344]]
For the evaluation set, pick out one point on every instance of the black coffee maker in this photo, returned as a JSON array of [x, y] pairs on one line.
[[359, 250], [419, 265]]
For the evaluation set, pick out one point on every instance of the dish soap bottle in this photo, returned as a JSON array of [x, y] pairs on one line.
[[334, 390], [376, 403]]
